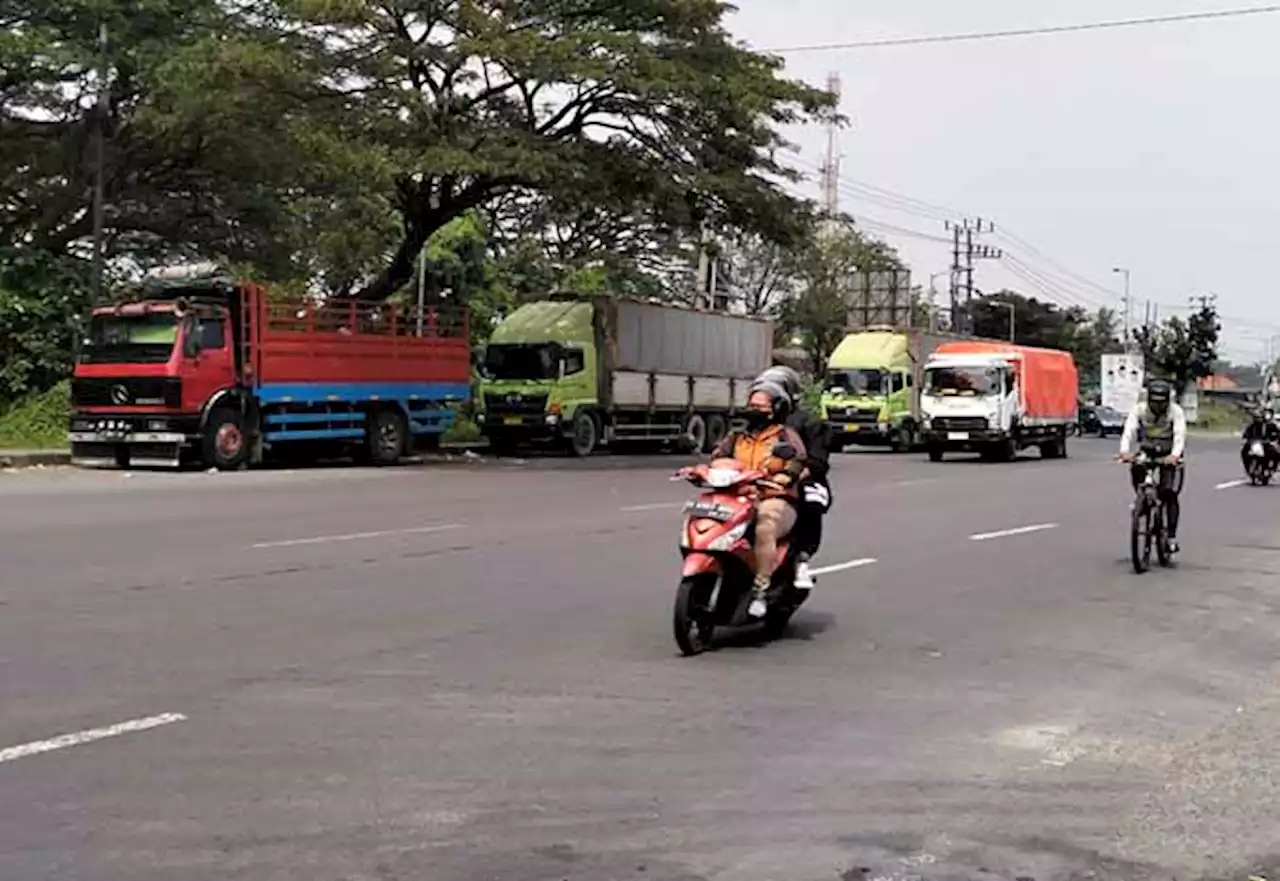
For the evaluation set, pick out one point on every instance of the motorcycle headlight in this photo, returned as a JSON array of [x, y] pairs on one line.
[[722, 478]]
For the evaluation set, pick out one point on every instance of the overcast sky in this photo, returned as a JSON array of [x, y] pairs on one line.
[[1153, 148]]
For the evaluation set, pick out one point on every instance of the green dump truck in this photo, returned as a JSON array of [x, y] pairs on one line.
[[871, 393], [608, 370]]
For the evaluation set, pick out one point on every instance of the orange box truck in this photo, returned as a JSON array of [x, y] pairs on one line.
[[998, 398]]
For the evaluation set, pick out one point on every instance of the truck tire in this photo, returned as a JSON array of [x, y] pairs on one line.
[[225, 445], [386, 438], [695, 433], [586, 434], [935, 454], [717, 430]]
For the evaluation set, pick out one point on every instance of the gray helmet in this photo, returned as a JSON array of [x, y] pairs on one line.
[[788, 379], [782, 401]]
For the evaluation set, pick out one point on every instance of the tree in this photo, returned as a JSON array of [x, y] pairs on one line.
[[649, 104], [820, 311], [761, 275], [40, 298], [1181, 351]]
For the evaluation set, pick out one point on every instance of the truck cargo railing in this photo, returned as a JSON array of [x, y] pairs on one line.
[[365, 318]]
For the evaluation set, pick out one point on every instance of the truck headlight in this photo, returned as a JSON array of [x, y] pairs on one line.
[[480, 419], [553, 419]]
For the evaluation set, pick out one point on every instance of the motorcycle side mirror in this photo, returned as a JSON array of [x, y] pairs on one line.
[[785, 451]]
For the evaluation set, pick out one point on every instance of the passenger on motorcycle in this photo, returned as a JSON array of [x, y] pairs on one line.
[[1263, 428], [1159, 426], [768, 409], [815, 489]]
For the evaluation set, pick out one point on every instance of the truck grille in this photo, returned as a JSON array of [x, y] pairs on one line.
[[844, 415], [960, 423], [151, 391], [515, 404]]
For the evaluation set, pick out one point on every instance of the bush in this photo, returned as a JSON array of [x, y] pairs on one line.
[[38, 422], [464, 430]]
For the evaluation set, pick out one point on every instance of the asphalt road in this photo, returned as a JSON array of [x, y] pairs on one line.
[[465, 672]]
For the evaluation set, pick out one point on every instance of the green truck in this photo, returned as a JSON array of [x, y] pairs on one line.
[[606, 371], [871, 393]]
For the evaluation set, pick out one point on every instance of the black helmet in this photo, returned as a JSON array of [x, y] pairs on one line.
[[1159, 394], [778, 395], [787, 378]]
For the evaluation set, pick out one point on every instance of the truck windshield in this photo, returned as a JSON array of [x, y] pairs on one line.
[[522, 361], [130, 339], [968, 381], [863, 381]]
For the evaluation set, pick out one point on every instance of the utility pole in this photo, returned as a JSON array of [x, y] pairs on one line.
[[831, 165], [1128, 308], [964, 251], [102, 112]]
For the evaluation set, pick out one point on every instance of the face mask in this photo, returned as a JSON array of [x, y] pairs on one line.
[[756, 419]]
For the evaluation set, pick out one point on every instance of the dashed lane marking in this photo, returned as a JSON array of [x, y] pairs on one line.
[[357, 536], [1019, 530], [35, 748], [840, 567]]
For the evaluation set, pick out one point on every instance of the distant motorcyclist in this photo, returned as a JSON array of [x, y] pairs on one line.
[[1262, 428], [815, 489], [1159, 427], [768, 409]]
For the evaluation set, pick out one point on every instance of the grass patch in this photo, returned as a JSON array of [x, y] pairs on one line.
[[463, 431], [38, 422], [1216, 416]]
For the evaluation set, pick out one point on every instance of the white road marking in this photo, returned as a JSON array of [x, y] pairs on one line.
[[655, 506], [1230, 483], [357, 536], [1021, 530], [840, 567], [24, 750]]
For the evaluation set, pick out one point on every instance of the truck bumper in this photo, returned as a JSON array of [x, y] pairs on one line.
[[526, 428], [866, 434], [98, 441], [963, 440]]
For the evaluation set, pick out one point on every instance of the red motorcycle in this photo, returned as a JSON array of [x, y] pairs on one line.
[[719, 561]]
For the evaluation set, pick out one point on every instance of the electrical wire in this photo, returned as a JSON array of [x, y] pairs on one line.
[[1031, 31]]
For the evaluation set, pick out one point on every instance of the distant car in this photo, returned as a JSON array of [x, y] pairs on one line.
[[1102, 421]]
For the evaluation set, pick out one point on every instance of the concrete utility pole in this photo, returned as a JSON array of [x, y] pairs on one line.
[[831, 165], [1128, 309], [964, 251]]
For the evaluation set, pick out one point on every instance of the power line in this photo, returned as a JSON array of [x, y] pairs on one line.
[[1030, 32]]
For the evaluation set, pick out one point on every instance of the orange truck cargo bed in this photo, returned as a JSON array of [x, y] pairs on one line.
[[1047, 378]]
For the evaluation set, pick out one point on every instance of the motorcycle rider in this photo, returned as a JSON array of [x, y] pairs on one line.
[[768, 409], [815, 489], [1159, 427], [1263, 428]]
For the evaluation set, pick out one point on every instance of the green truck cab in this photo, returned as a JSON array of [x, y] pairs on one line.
[[871, 393]]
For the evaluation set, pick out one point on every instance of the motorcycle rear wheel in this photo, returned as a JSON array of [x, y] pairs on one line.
[[692, 618]]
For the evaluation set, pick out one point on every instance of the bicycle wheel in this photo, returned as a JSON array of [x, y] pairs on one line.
[[1160, 531], [1140, 536]]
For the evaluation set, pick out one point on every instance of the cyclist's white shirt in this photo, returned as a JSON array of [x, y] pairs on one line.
[[1133, 424]]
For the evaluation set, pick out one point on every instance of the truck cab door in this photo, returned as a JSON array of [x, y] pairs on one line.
[[207, 363]]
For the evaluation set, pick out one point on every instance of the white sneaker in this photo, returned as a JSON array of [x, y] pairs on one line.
[[758, 608], [804, 577]]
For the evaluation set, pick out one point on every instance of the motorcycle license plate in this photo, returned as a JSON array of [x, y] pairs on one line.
[[707, 511]]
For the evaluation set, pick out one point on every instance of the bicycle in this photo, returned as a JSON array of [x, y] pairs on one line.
[[1148, 528]]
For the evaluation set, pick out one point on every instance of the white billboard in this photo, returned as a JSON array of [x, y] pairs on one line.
[[1122, 377]]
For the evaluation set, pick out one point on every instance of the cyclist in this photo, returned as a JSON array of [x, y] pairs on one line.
[[1159, 428]]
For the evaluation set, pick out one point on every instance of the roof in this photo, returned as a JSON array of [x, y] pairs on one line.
[[1217, 382], [876, 349]]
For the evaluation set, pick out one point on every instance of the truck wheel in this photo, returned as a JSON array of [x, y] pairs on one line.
[[226, 446], [386, 438], [899, 441], [586, 434], [695, 433], [717, 429], [935, 454]]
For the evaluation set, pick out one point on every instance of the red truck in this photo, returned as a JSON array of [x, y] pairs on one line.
[[204, 367]]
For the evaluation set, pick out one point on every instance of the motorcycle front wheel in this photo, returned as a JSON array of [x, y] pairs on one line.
[[692, 618]]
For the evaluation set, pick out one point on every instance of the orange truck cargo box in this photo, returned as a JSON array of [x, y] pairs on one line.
[[1047, 378]]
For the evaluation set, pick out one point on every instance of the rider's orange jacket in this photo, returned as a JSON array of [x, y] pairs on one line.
[[755, 451]]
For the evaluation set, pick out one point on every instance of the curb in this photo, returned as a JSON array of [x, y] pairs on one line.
[[10, 459]]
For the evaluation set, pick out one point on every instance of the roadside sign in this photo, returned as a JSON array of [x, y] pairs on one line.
[[1122, 377]]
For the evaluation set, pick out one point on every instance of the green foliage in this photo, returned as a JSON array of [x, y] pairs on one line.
[[819, 313], [40, 297], [38, 422], [1221, 417], [1047, 325], [1181, 351]]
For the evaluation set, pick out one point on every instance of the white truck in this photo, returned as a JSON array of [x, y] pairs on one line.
[[998, 398]]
